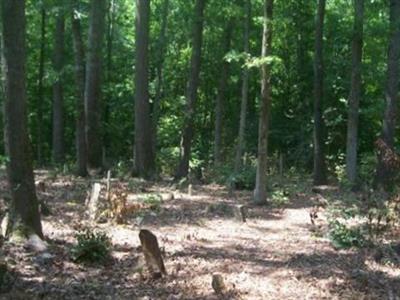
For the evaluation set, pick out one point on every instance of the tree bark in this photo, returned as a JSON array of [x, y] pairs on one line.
[[162, 40], [40, 90], [319, 155], [245, 91], [109, 64], [191, 93], [355, 92], [24, 210], [58, 99], [221, 95], [383, 173], [93, 84], [144, 156], [260, 192], [79, 57]]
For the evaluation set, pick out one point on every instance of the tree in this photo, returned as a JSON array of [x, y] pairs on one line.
[[40, 88], [24, 209], [245, 90], [191, 92], [79, 56], [260, 192], [383, 173], [319, 155], [219, 103], [109, 64], [355, 92], [58, 101], [162, 41], [93, 84], [144, 156]]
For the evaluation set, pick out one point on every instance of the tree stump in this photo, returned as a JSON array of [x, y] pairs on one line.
[[218, 284]]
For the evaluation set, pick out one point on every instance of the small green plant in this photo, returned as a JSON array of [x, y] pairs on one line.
[[154, 201], [368, 164], [279, 198], [123, 168], [3, 160], [245, 179], [168, 157], [342, 236], [382, 211], [91, 247], [340, 172]]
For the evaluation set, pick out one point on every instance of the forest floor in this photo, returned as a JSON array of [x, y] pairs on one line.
[[275, 254]]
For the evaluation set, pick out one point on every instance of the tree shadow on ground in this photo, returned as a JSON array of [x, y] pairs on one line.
[[229, 253], [351, 270], [346, 271], [120, 278], [197, 212]]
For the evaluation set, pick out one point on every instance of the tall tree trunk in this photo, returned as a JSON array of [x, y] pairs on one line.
[[144, 156], [40, 90], [191, 93], [303, 27], [221, 95], [355, 92], [319, 155], [260, 192], [93, 84], [58, 101], [109, 64], [79, 56], [383, 173], [162, 40], [245, 91], [301, 51], [24, 210]]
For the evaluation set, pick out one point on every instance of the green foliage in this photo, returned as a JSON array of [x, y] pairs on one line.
[[343, 236], [4, 159], [235, 56], [367, 168], [340, 168], [154, 201], [258, 62], [292, 69], [225, 175], [168, 158], [374, 211], [123, 168], [91, 247], [382, 210], [279, 198], [245, 179]]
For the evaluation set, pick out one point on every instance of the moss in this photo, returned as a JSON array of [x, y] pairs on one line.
[[19, 233]]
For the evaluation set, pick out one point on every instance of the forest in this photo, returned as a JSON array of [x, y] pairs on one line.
[[199, 149]]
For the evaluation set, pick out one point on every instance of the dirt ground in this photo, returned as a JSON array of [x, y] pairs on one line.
[[274, 255]]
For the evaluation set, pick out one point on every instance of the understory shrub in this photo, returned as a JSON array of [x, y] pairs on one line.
[[91, 247], [367, 168], [279, 197], [245, 179], [343, 236], [154, 201]]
